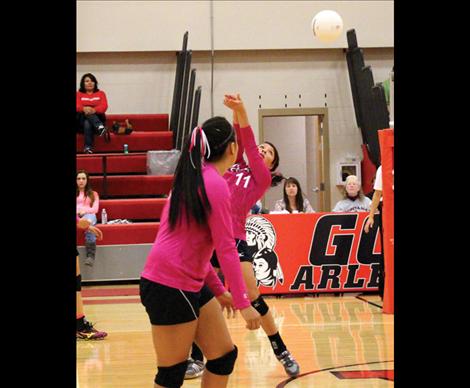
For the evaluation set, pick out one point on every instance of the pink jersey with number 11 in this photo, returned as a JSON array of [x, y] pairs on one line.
[[247, 182]]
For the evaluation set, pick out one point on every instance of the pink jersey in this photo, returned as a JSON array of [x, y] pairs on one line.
[[180, 258], [84, 203], [247, 184]]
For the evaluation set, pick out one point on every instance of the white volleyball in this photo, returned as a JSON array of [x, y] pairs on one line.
[[327, 25]]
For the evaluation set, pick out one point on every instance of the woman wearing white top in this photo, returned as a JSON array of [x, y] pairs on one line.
[[293, 201], [354, 199]]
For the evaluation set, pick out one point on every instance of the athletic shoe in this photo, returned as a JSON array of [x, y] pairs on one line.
[[88, 332], [101, 130], [288, 362], [88, 150], [89, 261], [195, 369]]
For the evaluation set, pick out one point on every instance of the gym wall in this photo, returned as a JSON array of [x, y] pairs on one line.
[[264, 50]]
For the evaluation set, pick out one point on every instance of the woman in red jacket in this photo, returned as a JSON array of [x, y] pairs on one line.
[[91, 107]]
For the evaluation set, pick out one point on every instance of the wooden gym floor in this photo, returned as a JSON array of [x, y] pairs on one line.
[[338, 341]]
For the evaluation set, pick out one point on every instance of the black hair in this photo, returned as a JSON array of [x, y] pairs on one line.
[[189, 193], [82, 83], [276, 178], [88, 190], [299, 200], [276, 157]]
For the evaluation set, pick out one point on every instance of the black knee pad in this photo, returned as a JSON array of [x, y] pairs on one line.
[[223, 365], [79, 283], [171, 376], [260, 305]]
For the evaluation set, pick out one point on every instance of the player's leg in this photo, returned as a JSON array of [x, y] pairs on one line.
[[214, 339], [267, 320], [173, 314], [172, 344], [85, 329]]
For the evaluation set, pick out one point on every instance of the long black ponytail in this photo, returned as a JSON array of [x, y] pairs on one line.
[[189, 192]]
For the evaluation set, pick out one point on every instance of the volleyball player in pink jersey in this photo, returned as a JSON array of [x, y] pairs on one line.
[[247, 184], [178, 282]]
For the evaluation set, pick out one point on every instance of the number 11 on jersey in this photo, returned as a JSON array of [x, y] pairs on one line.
[[246, 179]]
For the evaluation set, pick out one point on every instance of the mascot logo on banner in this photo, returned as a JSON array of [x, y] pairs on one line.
[[261, 240]]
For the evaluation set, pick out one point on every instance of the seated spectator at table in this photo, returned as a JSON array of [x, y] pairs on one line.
[[354, 199], [293, 201]]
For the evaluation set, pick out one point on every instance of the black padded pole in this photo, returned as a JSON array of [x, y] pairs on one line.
[[187, 121], [175, 105], [185, 41], [184, 96], [176, 102], [197, 101]]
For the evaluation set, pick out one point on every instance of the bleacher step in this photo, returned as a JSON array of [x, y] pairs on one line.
[[132, 185], [121, 234], [136, 141], [132, 209], [115, 163], [141, 122]]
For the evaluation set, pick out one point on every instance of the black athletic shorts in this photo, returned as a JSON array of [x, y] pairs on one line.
[[169, 306], [243, 253]]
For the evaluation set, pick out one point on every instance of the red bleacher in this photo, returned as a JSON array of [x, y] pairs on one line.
[[119, 234], [136, 141], [132, 209], [115, 163], [141, 122], [132, 185], [126, 179]]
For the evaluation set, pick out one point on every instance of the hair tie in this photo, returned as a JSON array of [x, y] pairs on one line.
[[204, 144]]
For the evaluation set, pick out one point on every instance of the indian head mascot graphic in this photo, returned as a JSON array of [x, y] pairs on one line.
[[261, 240]]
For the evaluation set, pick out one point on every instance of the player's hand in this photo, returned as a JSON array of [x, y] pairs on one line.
[[369, 224], [251, 317], [234, 102], [226, 302]]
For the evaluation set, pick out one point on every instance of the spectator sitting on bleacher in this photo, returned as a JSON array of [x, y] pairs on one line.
[[354, 199], [87, 206], [293, 201], [91, 107]]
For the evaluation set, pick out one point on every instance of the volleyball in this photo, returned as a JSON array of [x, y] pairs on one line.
[[327, 25]]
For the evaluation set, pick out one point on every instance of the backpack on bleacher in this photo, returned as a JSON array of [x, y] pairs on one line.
[[122, 127]]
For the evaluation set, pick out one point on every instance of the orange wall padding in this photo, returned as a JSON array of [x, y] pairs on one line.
[[386, 139]]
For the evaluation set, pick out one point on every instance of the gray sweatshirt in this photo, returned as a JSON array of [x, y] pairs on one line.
[[348, 205]]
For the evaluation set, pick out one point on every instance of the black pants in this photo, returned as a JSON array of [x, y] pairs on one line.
[[88, 125]]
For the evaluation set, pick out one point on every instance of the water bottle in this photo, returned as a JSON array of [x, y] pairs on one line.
[[104, 216], [126, 149]]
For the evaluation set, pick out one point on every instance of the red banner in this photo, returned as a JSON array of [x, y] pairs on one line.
[[317, 252]]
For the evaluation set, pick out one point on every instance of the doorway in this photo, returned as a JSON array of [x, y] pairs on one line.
[[301, 137]]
